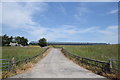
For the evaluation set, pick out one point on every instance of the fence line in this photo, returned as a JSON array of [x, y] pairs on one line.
[[105, 66], [4, 65], [114, 65], [11, 63], [100, 64]]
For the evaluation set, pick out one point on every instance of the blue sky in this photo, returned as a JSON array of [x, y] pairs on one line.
[[62, 21]]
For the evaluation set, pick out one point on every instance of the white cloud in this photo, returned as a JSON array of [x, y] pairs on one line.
[[113, 28], [17, 15], [110, 34], [67, 32], [109, 30], [64, 31], [113, 11], [82, 11], [50, 34]]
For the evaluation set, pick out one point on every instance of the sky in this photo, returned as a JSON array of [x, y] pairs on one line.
[[61, 21]]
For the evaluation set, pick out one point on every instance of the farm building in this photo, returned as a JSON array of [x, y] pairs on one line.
[[13, 44]]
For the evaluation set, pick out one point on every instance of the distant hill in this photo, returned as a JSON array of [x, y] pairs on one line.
[[67, 43]]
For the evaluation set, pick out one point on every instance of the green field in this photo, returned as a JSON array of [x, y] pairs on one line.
[[97, 52], [20, 53]]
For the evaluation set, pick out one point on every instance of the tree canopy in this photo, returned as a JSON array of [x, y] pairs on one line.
[[6, 40], [43, 42], [20, 40]]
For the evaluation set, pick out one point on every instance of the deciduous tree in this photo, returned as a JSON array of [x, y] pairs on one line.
[[43, 42]]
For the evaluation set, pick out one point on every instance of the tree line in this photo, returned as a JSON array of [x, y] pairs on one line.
[[6, 40]]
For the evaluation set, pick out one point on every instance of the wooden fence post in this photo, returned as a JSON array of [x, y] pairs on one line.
[[12, 64], [111, 64], [108, 66]]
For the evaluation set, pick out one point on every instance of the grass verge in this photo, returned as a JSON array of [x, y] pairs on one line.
[[94, 69], [97, 52], [23, 67]]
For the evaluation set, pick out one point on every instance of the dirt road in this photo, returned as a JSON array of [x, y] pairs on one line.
[[56, 65]]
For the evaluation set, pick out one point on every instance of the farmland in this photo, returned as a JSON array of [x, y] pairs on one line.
[[20, 53], [97, 52]]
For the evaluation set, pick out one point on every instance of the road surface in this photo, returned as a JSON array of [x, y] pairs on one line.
[[56, 65]]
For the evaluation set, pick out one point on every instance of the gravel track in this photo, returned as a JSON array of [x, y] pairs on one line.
[[56, 65]]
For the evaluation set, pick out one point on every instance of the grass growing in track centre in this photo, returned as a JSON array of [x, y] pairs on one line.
[[97, 52]]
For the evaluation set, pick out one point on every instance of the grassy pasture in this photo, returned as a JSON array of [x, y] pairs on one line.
[[97, 52], [20, 53]]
